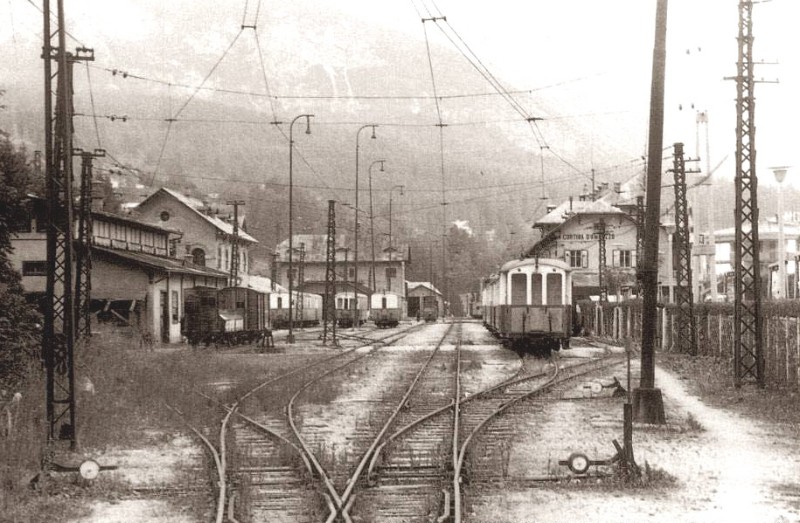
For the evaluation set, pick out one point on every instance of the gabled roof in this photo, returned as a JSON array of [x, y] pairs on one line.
[[568, 209], [151, 261], [196, 205], [424, 284], [264, 284], [127, 220]]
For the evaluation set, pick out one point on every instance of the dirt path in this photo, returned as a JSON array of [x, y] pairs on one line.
[[728, 468]]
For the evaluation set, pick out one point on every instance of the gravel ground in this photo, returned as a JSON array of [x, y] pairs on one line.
[[726, 466]]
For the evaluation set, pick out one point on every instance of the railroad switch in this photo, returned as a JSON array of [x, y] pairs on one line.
[[579, 463]]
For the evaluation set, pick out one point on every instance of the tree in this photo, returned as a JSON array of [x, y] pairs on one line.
[[19, 321]]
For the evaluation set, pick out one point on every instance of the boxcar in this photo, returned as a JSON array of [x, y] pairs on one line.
[[231, 315], [386, 309], [528, 304], [346, 311]]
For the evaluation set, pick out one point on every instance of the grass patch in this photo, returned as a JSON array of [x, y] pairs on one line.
[[121, 393], [711, 378]]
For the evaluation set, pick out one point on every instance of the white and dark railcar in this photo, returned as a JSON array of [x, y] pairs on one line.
[[528, 304], [279, 309], [346, 310], [386, 309]]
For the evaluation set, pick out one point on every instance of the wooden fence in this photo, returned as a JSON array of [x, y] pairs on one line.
[[714, 332]]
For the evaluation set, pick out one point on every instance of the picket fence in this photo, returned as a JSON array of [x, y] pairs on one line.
[[714, 332]]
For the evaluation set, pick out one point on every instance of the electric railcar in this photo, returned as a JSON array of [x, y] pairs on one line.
[[528, 304], [232, 315], [386, 309], [346, 311], [279, 310]]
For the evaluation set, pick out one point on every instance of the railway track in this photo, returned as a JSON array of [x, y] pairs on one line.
[[418, 470], [269, 475]]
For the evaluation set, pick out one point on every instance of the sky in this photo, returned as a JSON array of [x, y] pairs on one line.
[[592, 59]]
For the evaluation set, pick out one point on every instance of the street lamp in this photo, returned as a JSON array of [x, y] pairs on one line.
[[391, 245], [780, 175], [372, 222], [355, 252], [290, 338]]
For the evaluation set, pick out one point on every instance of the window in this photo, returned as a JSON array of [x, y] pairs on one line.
[[554, 288], [219, 256], [536, 289], [391, 272], [21, 223], [351, 272], [519, 294], [226, 259], [199, 257], [383, 302], [34, 268], [175, 307], [280, 302], [577, 258], [624, 258]]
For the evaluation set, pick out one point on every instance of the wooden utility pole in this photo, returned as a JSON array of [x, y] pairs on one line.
[[648, 404]]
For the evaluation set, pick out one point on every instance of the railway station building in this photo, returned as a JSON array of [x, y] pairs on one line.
[[136, 281], [571, 232], [390, 265], [206, 236]]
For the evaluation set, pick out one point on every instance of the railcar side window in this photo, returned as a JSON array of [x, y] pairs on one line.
[[555, 284], [519, 295], [536, 289]]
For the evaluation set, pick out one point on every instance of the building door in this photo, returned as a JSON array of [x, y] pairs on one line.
[[164, 317]]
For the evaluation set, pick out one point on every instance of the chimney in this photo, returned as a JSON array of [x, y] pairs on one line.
[[570, 204], [617, 187]]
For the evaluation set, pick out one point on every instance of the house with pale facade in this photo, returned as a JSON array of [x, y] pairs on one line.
[[571, 232], [135, 278], [206, 236], [389, 264]]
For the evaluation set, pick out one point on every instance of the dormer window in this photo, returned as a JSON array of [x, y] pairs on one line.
[[164, 216]]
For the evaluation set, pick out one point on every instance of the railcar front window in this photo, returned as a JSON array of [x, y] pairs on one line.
[[555, 286], [519, 294], [536, 289]]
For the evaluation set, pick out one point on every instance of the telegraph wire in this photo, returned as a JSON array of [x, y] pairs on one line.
[[115, 71]]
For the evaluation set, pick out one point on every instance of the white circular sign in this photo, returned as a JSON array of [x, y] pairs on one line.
[[89, 469]]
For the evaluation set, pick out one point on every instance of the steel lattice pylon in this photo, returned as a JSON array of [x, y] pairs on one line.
[[600, 230], [234, 273], [329, 314], [747, 352], [687, 341], [83, 251], [58, 340]]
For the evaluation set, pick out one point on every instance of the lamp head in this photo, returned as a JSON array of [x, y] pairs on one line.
[[373, 132], [402, 190], [382, 170], [308, 124], [780, 173]]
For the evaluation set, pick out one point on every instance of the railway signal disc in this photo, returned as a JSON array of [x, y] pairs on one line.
[[578, 463], [89, 469]]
